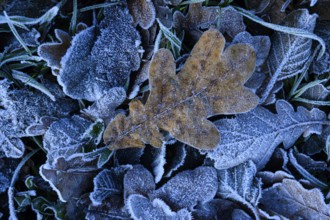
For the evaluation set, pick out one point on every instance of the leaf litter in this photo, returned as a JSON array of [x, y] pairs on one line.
[[164, 109]]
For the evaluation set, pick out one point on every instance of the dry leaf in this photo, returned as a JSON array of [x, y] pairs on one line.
[[210, 83]]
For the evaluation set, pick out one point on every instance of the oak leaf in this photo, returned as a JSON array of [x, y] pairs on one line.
[[210, 83]]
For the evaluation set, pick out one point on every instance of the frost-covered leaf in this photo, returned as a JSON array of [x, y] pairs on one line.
[[155, 159], [108, 183], [52, 53], [163, 12], [65, 137], [293, 201], [104, 108], [175, 158], [239, 214], [289, 53], [143, 12], [188, 188], [270, 178], [101, 57], [69, 177], [303, 168], [142, 208], [261, 44], [138, 180], [255, 135], [240, 185], [41, 127], [112, 208], [322, 65], [315, 94], [231, 22], [198, 17], [21, 108], [180, 104], [7, 167], [214, 209]]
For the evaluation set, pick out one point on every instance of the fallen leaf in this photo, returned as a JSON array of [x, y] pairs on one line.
[[255, 135], [143, 12], [322, 65], [210, 83], [291, 200], [240, 185], [52, 53], [289, 53], [189, 188], [142, 208], [101, 57]]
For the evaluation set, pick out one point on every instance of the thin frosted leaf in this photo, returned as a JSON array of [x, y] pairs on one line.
[[174, 40], [142, 208], [308, 176], [104, 108], [108, 183], [138, 180], [301, 32], [255, 135], [289, 52], [181, 103], [303, 203], [261, 44], [70, 177], [188, 188], [26, 79], [52, 53], [315, 93], [143, 12], [91, 67], [65, 137], [240, 185], [12, 147], [322, 65]]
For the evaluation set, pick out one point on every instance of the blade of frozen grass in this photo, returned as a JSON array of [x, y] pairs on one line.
[[174, 40], [20, 58], [26, 79], [192, 2], [312, 102], [98, 6], [327, 148], [11, 188], [14, 31], [288, 30], [21, 21], [73, 22], [302, 75], [301, 91]]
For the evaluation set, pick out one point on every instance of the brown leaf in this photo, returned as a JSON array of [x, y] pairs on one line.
[[143, 12], [210, 83]]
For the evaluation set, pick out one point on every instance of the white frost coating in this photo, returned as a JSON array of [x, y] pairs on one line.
[[159, 163], [239, 184], [47, 166], [101, 57], [255, 135], [142, 208], [107, 183], [188, 188]]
